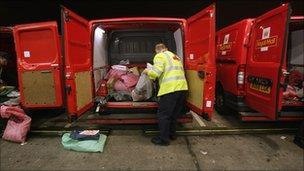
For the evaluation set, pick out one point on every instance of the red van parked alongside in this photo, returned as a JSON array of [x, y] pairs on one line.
[[50, 78], [232, 48], [260, 67]]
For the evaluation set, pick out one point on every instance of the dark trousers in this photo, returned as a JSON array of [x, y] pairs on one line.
[[170, 108]]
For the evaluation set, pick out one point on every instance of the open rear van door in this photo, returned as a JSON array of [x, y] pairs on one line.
[[78, 62], [267, 54], [39, 65], [200, 61]]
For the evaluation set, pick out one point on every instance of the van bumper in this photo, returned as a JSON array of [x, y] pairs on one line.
[[236, 102]]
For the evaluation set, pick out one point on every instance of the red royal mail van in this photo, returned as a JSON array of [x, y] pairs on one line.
[[53, 76], [260, 67]]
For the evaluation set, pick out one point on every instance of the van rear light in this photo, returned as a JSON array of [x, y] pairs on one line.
[[241, 78]]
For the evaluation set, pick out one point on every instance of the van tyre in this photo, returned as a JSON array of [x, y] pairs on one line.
[[220, 106]]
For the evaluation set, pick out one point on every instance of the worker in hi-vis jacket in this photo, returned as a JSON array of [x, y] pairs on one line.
[[168, 69]]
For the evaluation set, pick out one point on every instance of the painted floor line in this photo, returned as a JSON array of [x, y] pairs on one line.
[[198, 119]]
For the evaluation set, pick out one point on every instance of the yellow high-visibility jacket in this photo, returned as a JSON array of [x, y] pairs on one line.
[[169, 70]]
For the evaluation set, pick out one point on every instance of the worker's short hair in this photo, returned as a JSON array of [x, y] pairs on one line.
[[160, 47]]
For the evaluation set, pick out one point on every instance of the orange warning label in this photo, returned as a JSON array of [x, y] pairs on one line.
[[225, 47], [268, 42]]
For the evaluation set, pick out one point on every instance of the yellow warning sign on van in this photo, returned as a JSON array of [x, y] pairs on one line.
[[260, 88]]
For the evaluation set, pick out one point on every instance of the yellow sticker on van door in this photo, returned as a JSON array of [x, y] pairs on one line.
[[260, 88]]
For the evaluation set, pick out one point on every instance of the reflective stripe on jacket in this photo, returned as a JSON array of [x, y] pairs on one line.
[[168, 68]]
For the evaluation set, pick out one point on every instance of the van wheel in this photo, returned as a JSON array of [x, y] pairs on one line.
[[220, 101]]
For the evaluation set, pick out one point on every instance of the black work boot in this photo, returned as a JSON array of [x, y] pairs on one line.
[[159, 141]]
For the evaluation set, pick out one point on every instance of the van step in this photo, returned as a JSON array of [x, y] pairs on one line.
[[292, 114], [227, 131], [284, 113], [122, 115], [250, 114], [128, 111], [283, 116], [132, 105], [132, 119]]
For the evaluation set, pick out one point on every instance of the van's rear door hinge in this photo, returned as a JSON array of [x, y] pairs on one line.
[[66, 16]]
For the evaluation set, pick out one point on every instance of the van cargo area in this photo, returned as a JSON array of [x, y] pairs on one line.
[[293, 94], [133, 42]]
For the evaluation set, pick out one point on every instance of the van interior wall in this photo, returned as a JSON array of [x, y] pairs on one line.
[[179, 43], [137, 45], [7, 48], [100, 58], [297, 51]]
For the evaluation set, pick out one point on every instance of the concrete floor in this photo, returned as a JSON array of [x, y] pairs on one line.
[[130, 150]]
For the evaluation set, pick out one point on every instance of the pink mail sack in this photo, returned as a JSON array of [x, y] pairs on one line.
[[129, 80], [18, 124]]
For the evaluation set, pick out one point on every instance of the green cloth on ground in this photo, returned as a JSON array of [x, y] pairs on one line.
[[84, 146]]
